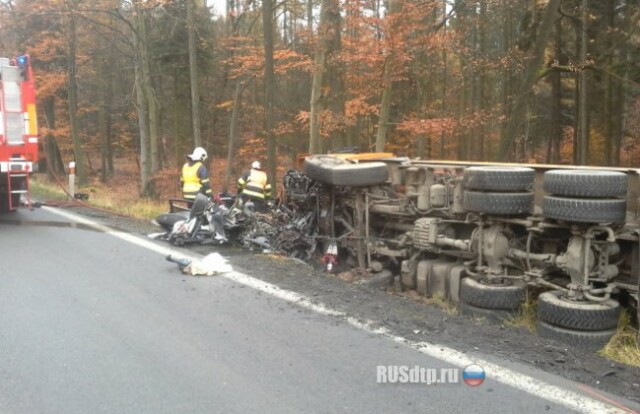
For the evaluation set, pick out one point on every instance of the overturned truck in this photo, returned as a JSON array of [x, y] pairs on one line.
[[484, 235]]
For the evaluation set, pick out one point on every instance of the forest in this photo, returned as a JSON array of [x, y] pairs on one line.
[[128, 88]]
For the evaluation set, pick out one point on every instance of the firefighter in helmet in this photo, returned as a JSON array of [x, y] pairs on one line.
[[254, 186], [195, 176]]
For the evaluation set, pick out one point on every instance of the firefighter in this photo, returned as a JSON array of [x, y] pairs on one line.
[[195, 176], [254, 186]]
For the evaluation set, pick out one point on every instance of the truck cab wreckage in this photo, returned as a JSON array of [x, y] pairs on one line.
[[481, 234]]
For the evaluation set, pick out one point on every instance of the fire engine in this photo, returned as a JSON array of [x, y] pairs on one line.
[[18, 130]]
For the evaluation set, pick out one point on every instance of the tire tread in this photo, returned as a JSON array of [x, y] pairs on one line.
[[585, 317], [484, 296], [506, 179], [577, 183], [585, 210]]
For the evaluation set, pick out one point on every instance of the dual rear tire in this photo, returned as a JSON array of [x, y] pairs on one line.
[[584, 325], [499, 190], [585, 196]]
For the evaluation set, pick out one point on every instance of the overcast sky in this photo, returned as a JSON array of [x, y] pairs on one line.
[[218, 6]]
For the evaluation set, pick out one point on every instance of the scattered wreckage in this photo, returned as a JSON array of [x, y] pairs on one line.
[[225, 219], [479, 234]]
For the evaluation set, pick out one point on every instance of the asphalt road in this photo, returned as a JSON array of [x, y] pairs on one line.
[[92, 324]]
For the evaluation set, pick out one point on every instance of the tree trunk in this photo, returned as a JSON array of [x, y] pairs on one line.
[[583, 109], [478, 140], [336, 97], [193, 75], [444, 80], [269, 87], [385, 105], [316, 105], [555, 133], [233, 134], [387, 82], [145, 167], [104, 120], [421, 139], [507, 73], [73, 95], [530, 77], [231, 15], [143, 60], [177, 117], [609, 144], [310, 18], [54, 165], [102, 126]]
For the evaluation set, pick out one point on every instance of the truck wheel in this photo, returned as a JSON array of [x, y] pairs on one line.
[[498, 203], [585, 316], [594, 184], [585, 210], [499, 178], [497, 316], [586, 340], [506, 296], [336, 171]]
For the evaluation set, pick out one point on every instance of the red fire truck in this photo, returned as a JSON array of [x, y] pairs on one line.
[[18, 131]]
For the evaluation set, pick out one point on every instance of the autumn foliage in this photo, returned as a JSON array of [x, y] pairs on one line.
[[453, 70]]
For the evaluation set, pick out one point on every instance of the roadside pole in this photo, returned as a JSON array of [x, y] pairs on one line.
[[72, 180]]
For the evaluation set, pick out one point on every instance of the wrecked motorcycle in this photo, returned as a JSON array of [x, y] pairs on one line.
[[209, 220], [286, 227]]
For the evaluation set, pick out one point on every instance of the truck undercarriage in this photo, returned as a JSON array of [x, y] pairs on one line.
[[480, 235]]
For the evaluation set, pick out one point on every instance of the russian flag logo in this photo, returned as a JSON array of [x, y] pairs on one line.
[[473, 375]]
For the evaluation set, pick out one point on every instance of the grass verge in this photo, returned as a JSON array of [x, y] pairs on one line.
[[526, 317], [103, 197], [440, 301], [623, 347], [45, 190]]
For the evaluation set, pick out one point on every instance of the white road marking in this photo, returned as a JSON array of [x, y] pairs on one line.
[[526, 383]]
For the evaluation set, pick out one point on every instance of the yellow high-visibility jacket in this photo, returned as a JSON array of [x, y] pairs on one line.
[[254, 184], [195, 179]]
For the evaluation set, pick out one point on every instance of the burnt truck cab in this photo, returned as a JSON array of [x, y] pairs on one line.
[[482, 234]]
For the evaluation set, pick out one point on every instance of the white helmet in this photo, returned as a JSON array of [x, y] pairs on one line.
[[199, 154], [256, 165]]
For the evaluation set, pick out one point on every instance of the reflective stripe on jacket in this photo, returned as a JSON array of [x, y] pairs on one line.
[[254, 184]]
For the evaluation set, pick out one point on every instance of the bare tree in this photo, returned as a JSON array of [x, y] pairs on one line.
[[72, 86], [582, 147], [387, 81], [518, 111], [320, 68], [269, 87], [193, 73]]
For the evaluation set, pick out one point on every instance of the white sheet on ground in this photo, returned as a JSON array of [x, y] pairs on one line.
[[211, 264]]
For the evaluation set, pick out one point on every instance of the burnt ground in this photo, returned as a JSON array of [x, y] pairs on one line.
[[415, 320]]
